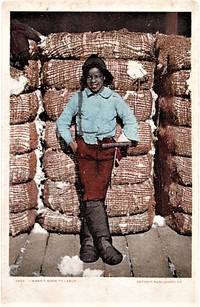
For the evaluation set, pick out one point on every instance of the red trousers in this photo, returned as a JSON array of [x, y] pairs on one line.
[[95, 167]]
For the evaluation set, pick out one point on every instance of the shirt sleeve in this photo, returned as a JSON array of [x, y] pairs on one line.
[[63, 123], [129, 120]]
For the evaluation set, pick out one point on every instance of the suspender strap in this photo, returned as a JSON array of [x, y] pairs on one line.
[[80, 98]]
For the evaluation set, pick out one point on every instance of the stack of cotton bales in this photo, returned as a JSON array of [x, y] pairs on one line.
[[25, 105], [174, 163], [130, 57]]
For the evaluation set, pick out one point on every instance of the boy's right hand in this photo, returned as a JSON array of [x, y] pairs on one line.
[[73, 146]]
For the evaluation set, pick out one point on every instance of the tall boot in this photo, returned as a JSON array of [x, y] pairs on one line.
[[97, 222], [88, 251]]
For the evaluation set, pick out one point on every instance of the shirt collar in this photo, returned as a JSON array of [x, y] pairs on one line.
[[105, 93]]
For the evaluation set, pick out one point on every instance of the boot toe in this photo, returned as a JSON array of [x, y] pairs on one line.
[[112, 256], [88, 254], [108, 252]]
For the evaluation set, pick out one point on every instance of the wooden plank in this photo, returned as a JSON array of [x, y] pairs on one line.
[[15, 246], [58, 247], [33, 256], [122, 269], [178, 248], [147, 256], [77, 245], [171, 23]]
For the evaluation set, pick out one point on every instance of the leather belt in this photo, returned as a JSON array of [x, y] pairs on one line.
[[106, 140]]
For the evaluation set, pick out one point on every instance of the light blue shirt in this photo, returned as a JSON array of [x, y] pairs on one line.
[[98, 116]]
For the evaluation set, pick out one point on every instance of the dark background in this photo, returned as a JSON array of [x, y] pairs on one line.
[[151, 22]]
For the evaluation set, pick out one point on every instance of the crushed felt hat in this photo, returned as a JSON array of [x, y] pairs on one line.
[[95, 61]]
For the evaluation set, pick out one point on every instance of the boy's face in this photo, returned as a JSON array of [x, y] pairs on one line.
[[95, 80]]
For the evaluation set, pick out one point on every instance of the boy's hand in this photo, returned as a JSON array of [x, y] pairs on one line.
[[73, 146]]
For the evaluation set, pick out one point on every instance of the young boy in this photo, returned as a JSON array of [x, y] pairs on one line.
[[96, 107]]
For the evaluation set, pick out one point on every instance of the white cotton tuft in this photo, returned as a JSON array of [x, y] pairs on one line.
[[123, 227], [40, 127], [71, 266], [189, 84], [136, 70], [38, 229], [61, 185], [50, 199], [42, 37], [39, 175], [92, 273], [42, 43], [17, 86], [123, 138], [159, 66], [151, 124], [154, 98], [42, 211], [158, 221], [124, 257], [36, 274]]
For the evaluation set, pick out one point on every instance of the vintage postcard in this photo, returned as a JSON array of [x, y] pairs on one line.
[[73, 71]]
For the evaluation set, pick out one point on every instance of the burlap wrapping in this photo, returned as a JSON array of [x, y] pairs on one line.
[[145, 143], [175, 84], [112, 44], [23, 108], [132, 169], [174, 51], [66, 74], [180, 222], [181, 169], [131, 224], [59, 166], [177, 140], [170, 169], [23, 138], [21, 222], [143, 146], [124, 74], [180, 197], [23, 196], [62, 196], [31, 72], [52, 139], [55, 221], [140, 102], [176, 110], [55, 101], [62, 74], [120, 200], [125, 200], [22, 167]]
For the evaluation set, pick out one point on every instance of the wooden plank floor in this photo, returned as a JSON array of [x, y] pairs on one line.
[[160, 252], [147, 255]]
